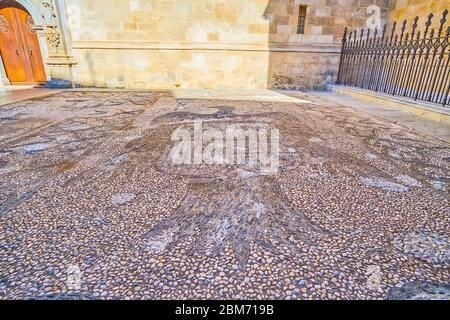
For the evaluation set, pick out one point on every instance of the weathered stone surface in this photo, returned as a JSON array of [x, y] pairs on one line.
[[409, 9], [209, 44]]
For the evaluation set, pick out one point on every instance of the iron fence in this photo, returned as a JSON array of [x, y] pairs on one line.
[[413, 64]]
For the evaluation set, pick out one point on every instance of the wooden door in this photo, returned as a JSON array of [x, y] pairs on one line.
[[19, 47], [11, 48], [31, 44]]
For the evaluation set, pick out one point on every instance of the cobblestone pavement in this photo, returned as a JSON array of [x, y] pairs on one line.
[[91, 208]]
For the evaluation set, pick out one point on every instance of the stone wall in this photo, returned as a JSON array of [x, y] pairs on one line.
[[203, 43], [170, 44], [165, 68], [311, 60], [325, 22], [409, 9]]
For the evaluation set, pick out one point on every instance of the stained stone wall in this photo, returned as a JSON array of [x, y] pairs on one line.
[[409, 9], [326, 19], [169, 44], [311, 60], [210, 43]]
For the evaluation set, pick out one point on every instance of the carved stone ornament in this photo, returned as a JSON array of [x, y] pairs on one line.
[[4, 24], [53, 36], [30, 23]]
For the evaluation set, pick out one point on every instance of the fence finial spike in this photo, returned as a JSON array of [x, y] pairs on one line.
[[403, 28], [443, 21], [344, 37], [384, 31], [432, 33], [428, 24], [394, 26], [414, 26], [430, 17]]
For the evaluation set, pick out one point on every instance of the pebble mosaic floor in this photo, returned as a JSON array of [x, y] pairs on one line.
[[358, 210]]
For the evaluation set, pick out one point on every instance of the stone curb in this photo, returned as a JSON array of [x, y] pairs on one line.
[[425, 110]]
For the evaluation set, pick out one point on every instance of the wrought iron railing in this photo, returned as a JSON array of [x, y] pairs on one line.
[[411, 64]]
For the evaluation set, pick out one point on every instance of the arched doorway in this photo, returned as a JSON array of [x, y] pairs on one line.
[[19, 45]]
